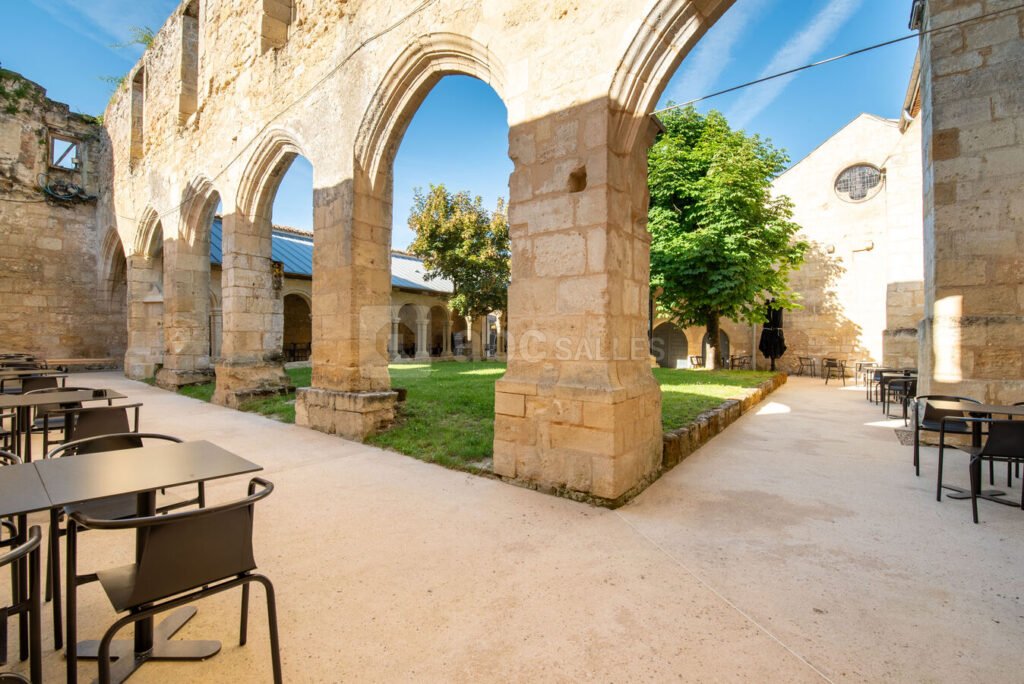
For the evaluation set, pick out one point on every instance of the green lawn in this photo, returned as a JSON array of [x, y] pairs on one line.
[[448, 415]]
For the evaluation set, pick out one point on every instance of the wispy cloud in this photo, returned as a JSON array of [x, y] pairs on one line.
[[704, 66], [106, 22], [797, 52]]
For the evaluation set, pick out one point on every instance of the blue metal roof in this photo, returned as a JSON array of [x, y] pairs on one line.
[[295, 251]]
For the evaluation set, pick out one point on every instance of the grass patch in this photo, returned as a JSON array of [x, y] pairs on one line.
[[685, 394], [448, 415]]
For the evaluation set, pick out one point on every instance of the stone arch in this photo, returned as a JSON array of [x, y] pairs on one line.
[[198, 204], [666, 34], [264, 171], [408, 315], [149, 236], [298, 326], [114, 261], [404, 87], [670, 345]]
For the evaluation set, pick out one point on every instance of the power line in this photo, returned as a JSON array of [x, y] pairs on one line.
[[838, 57]]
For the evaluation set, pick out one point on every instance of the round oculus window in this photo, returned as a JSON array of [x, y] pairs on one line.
[[859, 183]]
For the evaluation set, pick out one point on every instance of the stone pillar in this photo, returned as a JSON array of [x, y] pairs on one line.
[[395, 343], [973, 109], [477, 330], [186, 313], [446, 342], [351, 394], [144, 352], [578, 409], [499, 350], [422, 336], [251, 363]]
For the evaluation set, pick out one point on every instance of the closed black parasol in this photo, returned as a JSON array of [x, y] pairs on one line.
[[773, 342]]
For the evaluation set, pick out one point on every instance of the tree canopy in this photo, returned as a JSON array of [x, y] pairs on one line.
[[721, 245], [459, 240]]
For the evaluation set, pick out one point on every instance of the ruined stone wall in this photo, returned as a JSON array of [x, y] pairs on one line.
[[862, 278], [62, 268]]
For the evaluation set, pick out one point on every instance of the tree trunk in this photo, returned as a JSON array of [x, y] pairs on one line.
[[714, 337]]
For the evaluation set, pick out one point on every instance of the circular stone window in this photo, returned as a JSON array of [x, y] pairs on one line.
[[859, 183]]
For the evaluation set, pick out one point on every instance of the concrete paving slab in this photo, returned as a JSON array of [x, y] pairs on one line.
[[796, 546]]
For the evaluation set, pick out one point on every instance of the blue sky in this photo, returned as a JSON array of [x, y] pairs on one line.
[[459, 136]]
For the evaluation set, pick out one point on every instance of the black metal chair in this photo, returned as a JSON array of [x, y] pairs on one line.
[[834, 368], [186, 556], [808, 366], [1004, 444], [696, 361], [900, 390], [50, 417], [28, 604], [927, 418], [114, 507]]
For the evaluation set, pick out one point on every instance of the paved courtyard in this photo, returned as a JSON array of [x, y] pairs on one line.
[[796, 546]]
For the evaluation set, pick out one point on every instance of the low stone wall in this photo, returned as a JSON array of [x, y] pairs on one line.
[[681, 442]]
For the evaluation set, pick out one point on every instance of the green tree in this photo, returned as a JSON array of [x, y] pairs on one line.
[[721, 245], [462, 242]]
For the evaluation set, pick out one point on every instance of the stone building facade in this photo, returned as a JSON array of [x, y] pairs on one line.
[[62, 266], [857, 198]]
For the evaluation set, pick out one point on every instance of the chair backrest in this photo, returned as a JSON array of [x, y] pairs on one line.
[[42, 409], [190, 549], [1005, 438], [97, 421], [34, 537], [111, 442], [37, 382]]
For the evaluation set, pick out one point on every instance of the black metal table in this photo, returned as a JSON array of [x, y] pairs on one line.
[[59, 482], [24, 403], [139, 471], [978, 410]]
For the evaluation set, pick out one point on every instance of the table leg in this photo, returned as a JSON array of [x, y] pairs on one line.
[[22, 590]]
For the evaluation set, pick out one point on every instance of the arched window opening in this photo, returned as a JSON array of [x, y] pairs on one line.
[[138, 103], [188, 97]]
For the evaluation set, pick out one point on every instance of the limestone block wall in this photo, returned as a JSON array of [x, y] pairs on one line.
[[62, 267], [861, 283], [973, 133]]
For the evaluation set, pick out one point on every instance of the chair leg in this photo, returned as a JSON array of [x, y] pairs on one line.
[[243, 630], [917, 451], [975, 486], [53, 579], [35, 620], [938, 488], [71, 610], [275, 646]]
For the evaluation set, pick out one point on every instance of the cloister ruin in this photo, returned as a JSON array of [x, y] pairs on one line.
[[231, 91]]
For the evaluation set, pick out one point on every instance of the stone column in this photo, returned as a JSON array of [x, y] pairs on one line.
[[499, 351], [186, 313], [578, 409], [422, 336], [251, 363], [477, 330], [446, 342], [351, 393], [973, 115], [395, 343], [144, 352]]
